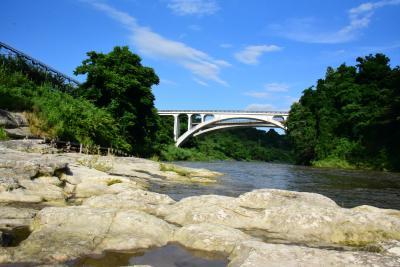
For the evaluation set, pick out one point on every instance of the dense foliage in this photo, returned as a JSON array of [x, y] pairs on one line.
[[234, 144], [35, 74], [119, 83], [53, 113], [351, 118]]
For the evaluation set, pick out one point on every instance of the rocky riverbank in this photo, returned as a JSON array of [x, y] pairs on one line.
[[75, 205]]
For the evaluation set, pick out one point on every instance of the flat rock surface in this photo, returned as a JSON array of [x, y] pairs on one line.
[[255, 253]]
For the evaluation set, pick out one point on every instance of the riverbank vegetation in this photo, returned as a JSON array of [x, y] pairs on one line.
[[351, 118], [51, 111]]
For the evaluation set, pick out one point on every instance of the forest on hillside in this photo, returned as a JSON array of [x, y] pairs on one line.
[[351, 118]]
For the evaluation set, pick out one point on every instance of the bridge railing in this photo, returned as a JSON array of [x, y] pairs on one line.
[[7, 50], [221, 111]]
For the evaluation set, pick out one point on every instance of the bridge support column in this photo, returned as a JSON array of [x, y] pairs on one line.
[[176, 127], [202, 116], [190, 122]]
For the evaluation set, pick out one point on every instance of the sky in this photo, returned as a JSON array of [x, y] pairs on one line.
[[210, 54]]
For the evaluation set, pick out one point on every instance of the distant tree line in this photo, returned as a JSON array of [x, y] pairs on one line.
[[245, 144]]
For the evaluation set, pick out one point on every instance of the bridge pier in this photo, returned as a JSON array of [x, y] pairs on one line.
[[202, 116], [177, 127], [190, 121]]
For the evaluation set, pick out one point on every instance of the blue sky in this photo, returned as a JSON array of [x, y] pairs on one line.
[[210, 54]]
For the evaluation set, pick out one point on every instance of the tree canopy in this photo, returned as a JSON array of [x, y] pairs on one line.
[[118, 82], [351, 117]]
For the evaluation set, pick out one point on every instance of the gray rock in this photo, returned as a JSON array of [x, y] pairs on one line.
[[210, 237], [148, 202], [255, 254], [12, 119], [19, 133], [11, 217], [290, 216], [60, 234], [28, 145]]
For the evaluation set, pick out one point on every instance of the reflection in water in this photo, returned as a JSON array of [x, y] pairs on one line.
[[168, 256], [348, 188]]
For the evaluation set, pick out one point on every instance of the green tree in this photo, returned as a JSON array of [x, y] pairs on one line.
[[351, 117], [118, 82]]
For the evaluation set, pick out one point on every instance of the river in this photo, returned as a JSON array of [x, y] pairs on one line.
[[349, 188]]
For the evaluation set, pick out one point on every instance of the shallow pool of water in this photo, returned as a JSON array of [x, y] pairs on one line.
[[170, 255]]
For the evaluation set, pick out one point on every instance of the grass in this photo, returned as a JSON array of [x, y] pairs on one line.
[[96, 162], [173, 168], [37, 126], [333, 163], [3, 134]]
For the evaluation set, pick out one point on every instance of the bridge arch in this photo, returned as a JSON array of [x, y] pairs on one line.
[[268, 120]]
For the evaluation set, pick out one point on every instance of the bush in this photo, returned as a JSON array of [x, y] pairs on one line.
[[173, 153], [76, 119], [54, 114]]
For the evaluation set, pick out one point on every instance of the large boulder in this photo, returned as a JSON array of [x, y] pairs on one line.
[[255, 253], [291, 216], [12, 119], [61, 234], [15, 124], [19, 133], [146, 201], [91, 182], [46, 191], [11, 217], [211, 209], [30, 177], [28, 145], [267, 198], [19, 196], [210, 237]]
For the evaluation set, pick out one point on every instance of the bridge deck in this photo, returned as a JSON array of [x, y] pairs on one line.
[[168, 112]]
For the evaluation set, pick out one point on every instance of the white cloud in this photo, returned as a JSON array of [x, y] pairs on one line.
[[251, 54], [304, 29], [260, 107], [276, 87], [120, 16], [269, 90], [255, 94], [203, 83], [193, 7], [154, 45]]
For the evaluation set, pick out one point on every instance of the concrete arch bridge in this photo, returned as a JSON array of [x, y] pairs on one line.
[[203, 121]]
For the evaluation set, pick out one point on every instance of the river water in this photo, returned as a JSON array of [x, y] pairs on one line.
[[349, 188]]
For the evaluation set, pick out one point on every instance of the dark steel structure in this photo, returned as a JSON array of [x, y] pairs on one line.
[[12, 52]]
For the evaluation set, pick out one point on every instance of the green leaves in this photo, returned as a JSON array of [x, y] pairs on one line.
[[350, 116], [119, 83]]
